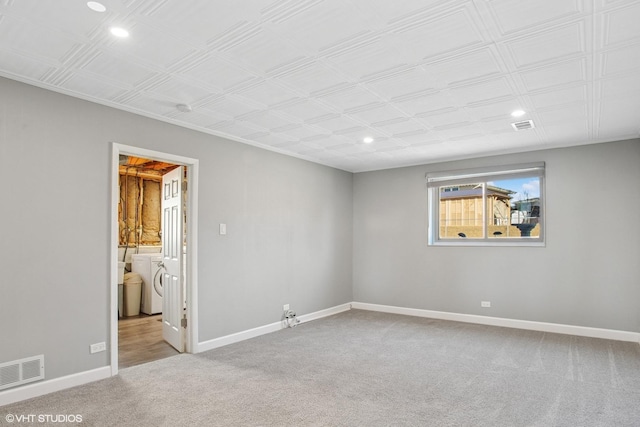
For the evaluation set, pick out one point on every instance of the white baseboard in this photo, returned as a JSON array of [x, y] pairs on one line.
[[324, 313], [266, 329], [557, 328], [49, 386], [237, 337]]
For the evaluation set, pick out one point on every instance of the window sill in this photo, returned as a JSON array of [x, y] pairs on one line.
[[480, 242]]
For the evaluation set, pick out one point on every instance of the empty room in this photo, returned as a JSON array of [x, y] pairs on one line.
[[319, 212]]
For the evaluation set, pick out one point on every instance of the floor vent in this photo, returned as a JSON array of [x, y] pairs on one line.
[[527, 124], [21, 371]]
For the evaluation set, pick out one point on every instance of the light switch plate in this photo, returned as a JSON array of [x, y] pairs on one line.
[[223, 229]]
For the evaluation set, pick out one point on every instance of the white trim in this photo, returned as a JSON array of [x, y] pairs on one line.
[[490, 242], [239, 336], [353, 169], [44, 387], [113, 250], [556, 328], [324, 313], [173, 121], [192, 256], [266, 329], [437, 179], [192, 243], [40, 388]]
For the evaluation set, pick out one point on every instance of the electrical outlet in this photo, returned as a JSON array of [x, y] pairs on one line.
[[98, 347], [485, 304], [285, 307]]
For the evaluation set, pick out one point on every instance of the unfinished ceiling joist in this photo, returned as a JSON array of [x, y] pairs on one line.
[[142, 173]]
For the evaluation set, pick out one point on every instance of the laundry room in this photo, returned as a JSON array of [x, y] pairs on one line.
[[140, 260]]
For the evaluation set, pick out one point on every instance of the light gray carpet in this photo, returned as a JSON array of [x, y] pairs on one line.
[[363, 368]]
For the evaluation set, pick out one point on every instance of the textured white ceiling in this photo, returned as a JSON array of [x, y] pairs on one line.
[[429, 80]]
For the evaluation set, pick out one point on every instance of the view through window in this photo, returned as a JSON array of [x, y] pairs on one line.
[[489, 205]]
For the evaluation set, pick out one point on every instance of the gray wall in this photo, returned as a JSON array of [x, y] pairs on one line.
[[587, 275], [298, 233], [289, 227]]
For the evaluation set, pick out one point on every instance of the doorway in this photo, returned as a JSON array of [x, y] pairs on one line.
[[141, 229], [141, 337]]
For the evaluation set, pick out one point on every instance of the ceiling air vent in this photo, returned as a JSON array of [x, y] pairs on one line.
[[526, 124]]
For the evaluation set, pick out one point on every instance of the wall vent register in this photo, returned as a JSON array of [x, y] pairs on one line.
[[21, 371]]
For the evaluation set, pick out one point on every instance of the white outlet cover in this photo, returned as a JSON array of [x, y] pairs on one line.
[[98, 347]]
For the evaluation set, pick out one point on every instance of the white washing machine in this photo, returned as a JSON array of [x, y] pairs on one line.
[[150, 267]]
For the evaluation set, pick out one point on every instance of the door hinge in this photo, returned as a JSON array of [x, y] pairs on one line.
[[183, 322]]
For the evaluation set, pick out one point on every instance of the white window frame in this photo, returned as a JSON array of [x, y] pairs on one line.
[[435, 180]]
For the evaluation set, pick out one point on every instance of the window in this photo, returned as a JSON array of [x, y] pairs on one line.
[[488, 206]]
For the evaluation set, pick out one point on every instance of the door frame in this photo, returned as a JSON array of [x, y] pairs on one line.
[[191, 287]]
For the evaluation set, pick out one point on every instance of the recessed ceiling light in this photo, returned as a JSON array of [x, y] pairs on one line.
[[367, 140], [518, 113], [185, 108], [119, 32], [98, 7]]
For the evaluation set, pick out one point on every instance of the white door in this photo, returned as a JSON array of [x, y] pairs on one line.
[[172, 244]]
